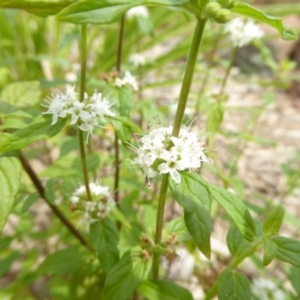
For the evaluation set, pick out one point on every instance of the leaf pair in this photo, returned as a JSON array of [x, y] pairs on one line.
[[195, 196]]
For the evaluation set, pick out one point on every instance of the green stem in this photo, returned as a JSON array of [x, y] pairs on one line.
[[185, 88], [116, 138], [235, 262], [83, 54], [232, 59], [188, 75], [160, 223]]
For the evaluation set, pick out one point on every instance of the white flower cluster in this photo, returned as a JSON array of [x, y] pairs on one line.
[[162, 153], [128, 80], [65, 105], [137, 59], [95, 210], [242, 33], [138, 11], [266, 289]]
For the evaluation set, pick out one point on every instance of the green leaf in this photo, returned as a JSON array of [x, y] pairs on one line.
[[273, 221], [246, 10], [288, 250], [236, 209], [39, 129], [194, 196], [106, 11], [64, 261], [215, 117], [126, 276], [95, 11], [270, 250], [234, 239], [177, 227], [104, 238], [164, 289], [117, 213], [295, 279], [125, 100], [233, 286], [41, 8], [10, 172], [22, 93], [6, 262]]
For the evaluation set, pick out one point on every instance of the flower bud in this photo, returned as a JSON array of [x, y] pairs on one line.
[[231, 3], [223, 16], [228, 3], [211, 10]]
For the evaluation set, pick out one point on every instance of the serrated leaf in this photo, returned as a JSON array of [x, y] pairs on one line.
[[234, 239], [273, 221], [251, 12], [39, 129], [164, 289], [63, 261], [126, 276], [288, 250], [10, 172], [22, 93], [41, 8], [104, 238], [237, 210], [233, 286], [194, 196], [270, 250]]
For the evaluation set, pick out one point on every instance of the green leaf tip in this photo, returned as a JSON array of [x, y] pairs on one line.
[[246, 10]]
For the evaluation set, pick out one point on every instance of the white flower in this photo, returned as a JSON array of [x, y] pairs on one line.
[[161, 153], [137, 59], [242, 33], [95, 210], [83, 113], [100, 106], [265, 289], [138, 11], [171, 165], [128, 80], [77, 112], [56, 108]]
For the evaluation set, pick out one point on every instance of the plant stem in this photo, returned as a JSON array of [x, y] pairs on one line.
[[185, 88], [235, 262], [232, 59], [83, 54], [120, 44], [81, 99], [116, 141], [41, 190], [188, 75], [160, 223]]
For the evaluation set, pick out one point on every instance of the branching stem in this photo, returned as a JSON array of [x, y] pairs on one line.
[[41, 190], [185, 88]]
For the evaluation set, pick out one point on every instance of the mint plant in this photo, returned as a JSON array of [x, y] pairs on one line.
[[110, 230]]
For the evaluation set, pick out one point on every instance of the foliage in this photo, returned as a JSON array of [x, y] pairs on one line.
[[58, 232]]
